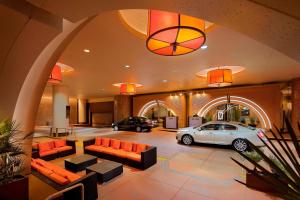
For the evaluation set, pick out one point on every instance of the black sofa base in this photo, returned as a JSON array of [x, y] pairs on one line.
[[148, 157], [89, 182]]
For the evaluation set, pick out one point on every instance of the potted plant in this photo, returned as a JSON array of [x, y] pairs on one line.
[[11, 163], [282, 178]]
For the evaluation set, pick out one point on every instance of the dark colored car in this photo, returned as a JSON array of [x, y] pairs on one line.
[[133, 123]]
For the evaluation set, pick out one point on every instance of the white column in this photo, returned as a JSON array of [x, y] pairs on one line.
[[82, 111], [60, 101]]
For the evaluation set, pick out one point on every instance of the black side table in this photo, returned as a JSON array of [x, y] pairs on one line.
[[106, 170], [80, 162]]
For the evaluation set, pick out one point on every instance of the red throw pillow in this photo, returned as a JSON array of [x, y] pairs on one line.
[[98, 141], [59, 143], [105, 142], [115, 144], [141, 147], [127, 146], [45, 146]]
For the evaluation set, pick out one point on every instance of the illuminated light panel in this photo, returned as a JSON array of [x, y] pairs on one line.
[[221, 100], [55, 76], [219, 77], [127, 88], [172, 34]]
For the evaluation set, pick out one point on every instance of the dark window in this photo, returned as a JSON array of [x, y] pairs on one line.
[[211, 127], [229, 127]]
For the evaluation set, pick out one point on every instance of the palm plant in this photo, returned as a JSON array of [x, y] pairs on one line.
[[284, 173], [11, 162]]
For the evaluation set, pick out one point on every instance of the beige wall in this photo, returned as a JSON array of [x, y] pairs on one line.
[[268, 97]]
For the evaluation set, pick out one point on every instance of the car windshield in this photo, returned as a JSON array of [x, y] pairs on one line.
[[143, 119], [249, 127]]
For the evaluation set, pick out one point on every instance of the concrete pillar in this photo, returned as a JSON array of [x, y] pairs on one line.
[[60, 101], [122, 107], [296, 103], [82, 118]]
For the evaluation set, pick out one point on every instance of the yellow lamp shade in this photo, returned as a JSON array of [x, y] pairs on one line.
[[219, 77], [172, 34], [127, 89]]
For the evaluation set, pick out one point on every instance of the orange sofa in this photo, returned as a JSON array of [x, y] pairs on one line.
[[53, 149], [137, 155], [60, 178]]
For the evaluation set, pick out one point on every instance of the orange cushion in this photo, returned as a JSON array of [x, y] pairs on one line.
[[109, 150], [45, 146], [134, 145], [59, 143], [127, 146], [140, 148], [44, 171], [133, 156], [98, 141], [105, 142], [115, 144], [65, 173], [49, 152], [121, 153], [59, 179], [64, 148], [34, 165]]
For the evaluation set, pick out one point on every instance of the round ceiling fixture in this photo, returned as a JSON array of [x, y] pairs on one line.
[[173, 34], [55, 76], [234, 70], [219, 77], [127, 88]]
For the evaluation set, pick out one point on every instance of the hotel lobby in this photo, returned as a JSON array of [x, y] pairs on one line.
[[138, 100]]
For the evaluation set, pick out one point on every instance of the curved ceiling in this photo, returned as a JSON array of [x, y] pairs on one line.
[[112, 46]]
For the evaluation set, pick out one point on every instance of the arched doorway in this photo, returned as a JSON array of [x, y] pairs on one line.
[[238, 109], [157, 111]]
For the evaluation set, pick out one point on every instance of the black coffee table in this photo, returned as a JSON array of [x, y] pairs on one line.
[[80, 162], [106, 170]]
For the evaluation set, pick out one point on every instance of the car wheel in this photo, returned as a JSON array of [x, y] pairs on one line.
[[240, 145], [116, 128], [187, 140], [138, 129]]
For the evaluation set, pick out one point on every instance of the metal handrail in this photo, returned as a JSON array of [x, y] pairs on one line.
[[61, 192]]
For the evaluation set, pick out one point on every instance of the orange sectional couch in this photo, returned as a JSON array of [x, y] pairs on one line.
[[137, 155], [60, 178], [53, 149]]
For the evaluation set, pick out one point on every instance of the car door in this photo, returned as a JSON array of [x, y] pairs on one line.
[[124, 124], [205, 134], [226, 134]]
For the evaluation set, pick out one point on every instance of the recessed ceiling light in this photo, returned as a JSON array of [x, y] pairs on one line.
[[127, 66], [86, 50], [164, 81], [204, 47]]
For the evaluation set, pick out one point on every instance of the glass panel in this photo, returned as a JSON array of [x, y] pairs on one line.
[[160, 20], [193, 44], [187, 34], [155, 44], [229, 127], [167, 35], [165, 51], [192, 21], [181, 50]]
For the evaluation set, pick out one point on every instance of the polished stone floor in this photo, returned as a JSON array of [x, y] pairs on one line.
[[182, 172]]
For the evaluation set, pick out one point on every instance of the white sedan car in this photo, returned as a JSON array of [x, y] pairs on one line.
[[225, 133]]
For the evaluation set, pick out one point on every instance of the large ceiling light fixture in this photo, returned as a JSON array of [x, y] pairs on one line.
[[172, 34], [127, 88], [219, 77], [55, 76]]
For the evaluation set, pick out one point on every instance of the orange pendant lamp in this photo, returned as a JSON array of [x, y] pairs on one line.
[[173, 34], [56, 75], [127, 89], [219, 77]]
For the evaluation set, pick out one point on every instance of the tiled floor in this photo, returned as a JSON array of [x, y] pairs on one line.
[[182, 172]]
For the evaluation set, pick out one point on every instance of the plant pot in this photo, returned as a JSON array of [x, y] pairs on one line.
[[257, 183], [17, 189]]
